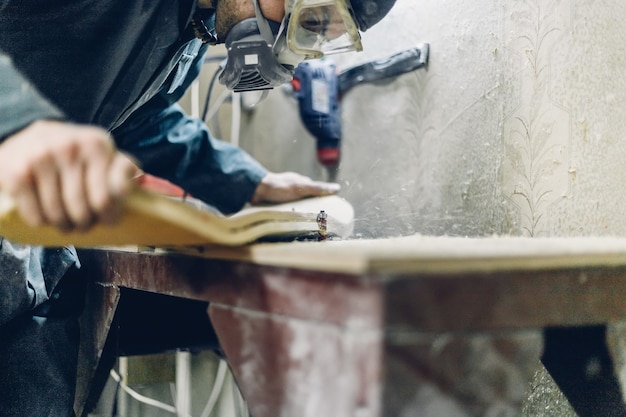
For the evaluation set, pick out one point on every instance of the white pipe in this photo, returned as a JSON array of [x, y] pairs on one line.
[[195, 98], [135, 395], [183, 384], [235, 121], [123, 400]]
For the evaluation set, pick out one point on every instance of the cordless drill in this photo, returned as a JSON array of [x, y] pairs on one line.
[[319, 86], [316, 86]]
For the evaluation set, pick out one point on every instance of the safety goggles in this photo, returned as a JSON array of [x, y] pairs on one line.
[[321, 27]]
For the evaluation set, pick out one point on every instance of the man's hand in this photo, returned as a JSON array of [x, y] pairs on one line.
[[288, 186], [66, 175]]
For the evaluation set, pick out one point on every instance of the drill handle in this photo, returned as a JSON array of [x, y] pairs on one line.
[[400, 63]]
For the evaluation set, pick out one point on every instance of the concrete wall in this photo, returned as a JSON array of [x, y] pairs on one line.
[[516, 126]]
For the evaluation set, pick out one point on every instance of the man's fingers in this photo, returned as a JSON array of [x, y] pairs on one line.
[[28, 205], [289, 186], [295, 185], [75, 197], [318, 188], [120, 182], [96, 186], [47, 183], [121, 174], [108, 180], [63, 174]]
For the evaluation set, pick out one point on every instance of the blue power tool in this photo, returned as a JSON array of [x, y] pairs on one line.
[[318, 86]]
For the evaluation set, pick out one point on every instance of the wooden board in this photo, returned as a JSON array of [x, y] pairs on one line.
[[419, 254], [151, 219]]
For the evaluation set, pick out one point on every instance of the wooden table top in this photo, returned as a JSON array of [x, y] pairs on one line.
[[426, 254]]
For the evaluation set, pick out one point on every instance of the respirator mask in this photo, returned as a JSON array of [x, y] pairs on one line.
[[264, 54]]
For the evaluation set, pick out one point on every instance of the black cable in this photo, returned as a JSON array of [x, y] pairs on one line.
[[214, 58], [207, 100], [115, 406]]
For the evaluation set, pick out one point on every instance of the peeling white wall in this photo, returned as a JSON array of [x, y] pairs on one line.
[[517, 126]]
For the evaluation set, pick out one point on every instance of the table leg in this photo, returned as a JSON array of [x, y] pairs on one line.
[[288, 367], [459, 374], [580, 362], [95, 361]]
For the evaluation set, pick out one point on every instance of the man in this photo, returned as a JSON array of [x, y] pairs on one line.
[[83, 81]]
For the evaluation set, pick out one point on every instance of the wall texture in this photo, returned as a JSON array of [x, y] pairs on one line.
[[515, 127]]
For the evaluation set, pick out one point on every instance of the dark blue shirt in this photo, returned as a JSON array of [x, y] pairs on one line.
[[123, 65]]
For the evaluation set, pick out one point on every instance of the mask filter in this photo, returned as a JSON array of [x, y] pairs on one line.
[[251, 63]]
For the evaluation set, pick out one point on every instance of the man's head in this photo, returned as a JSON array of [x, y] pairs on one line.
[[366, 12], [266, 39], [369, 12]]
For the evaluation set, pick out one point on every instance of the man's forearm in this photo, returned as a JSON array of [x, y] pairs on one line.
[[171, 145]]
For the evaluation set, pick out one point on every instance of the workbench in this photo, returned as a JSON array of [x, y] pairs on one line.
[[408, 326]]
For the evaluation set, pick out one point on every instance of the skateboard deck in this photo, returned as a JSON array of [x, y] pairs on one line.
[[153, 219]]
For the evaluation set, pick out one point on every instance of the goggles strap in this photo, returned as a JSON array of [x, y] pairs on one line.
[[200, 28], [264, 26]]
